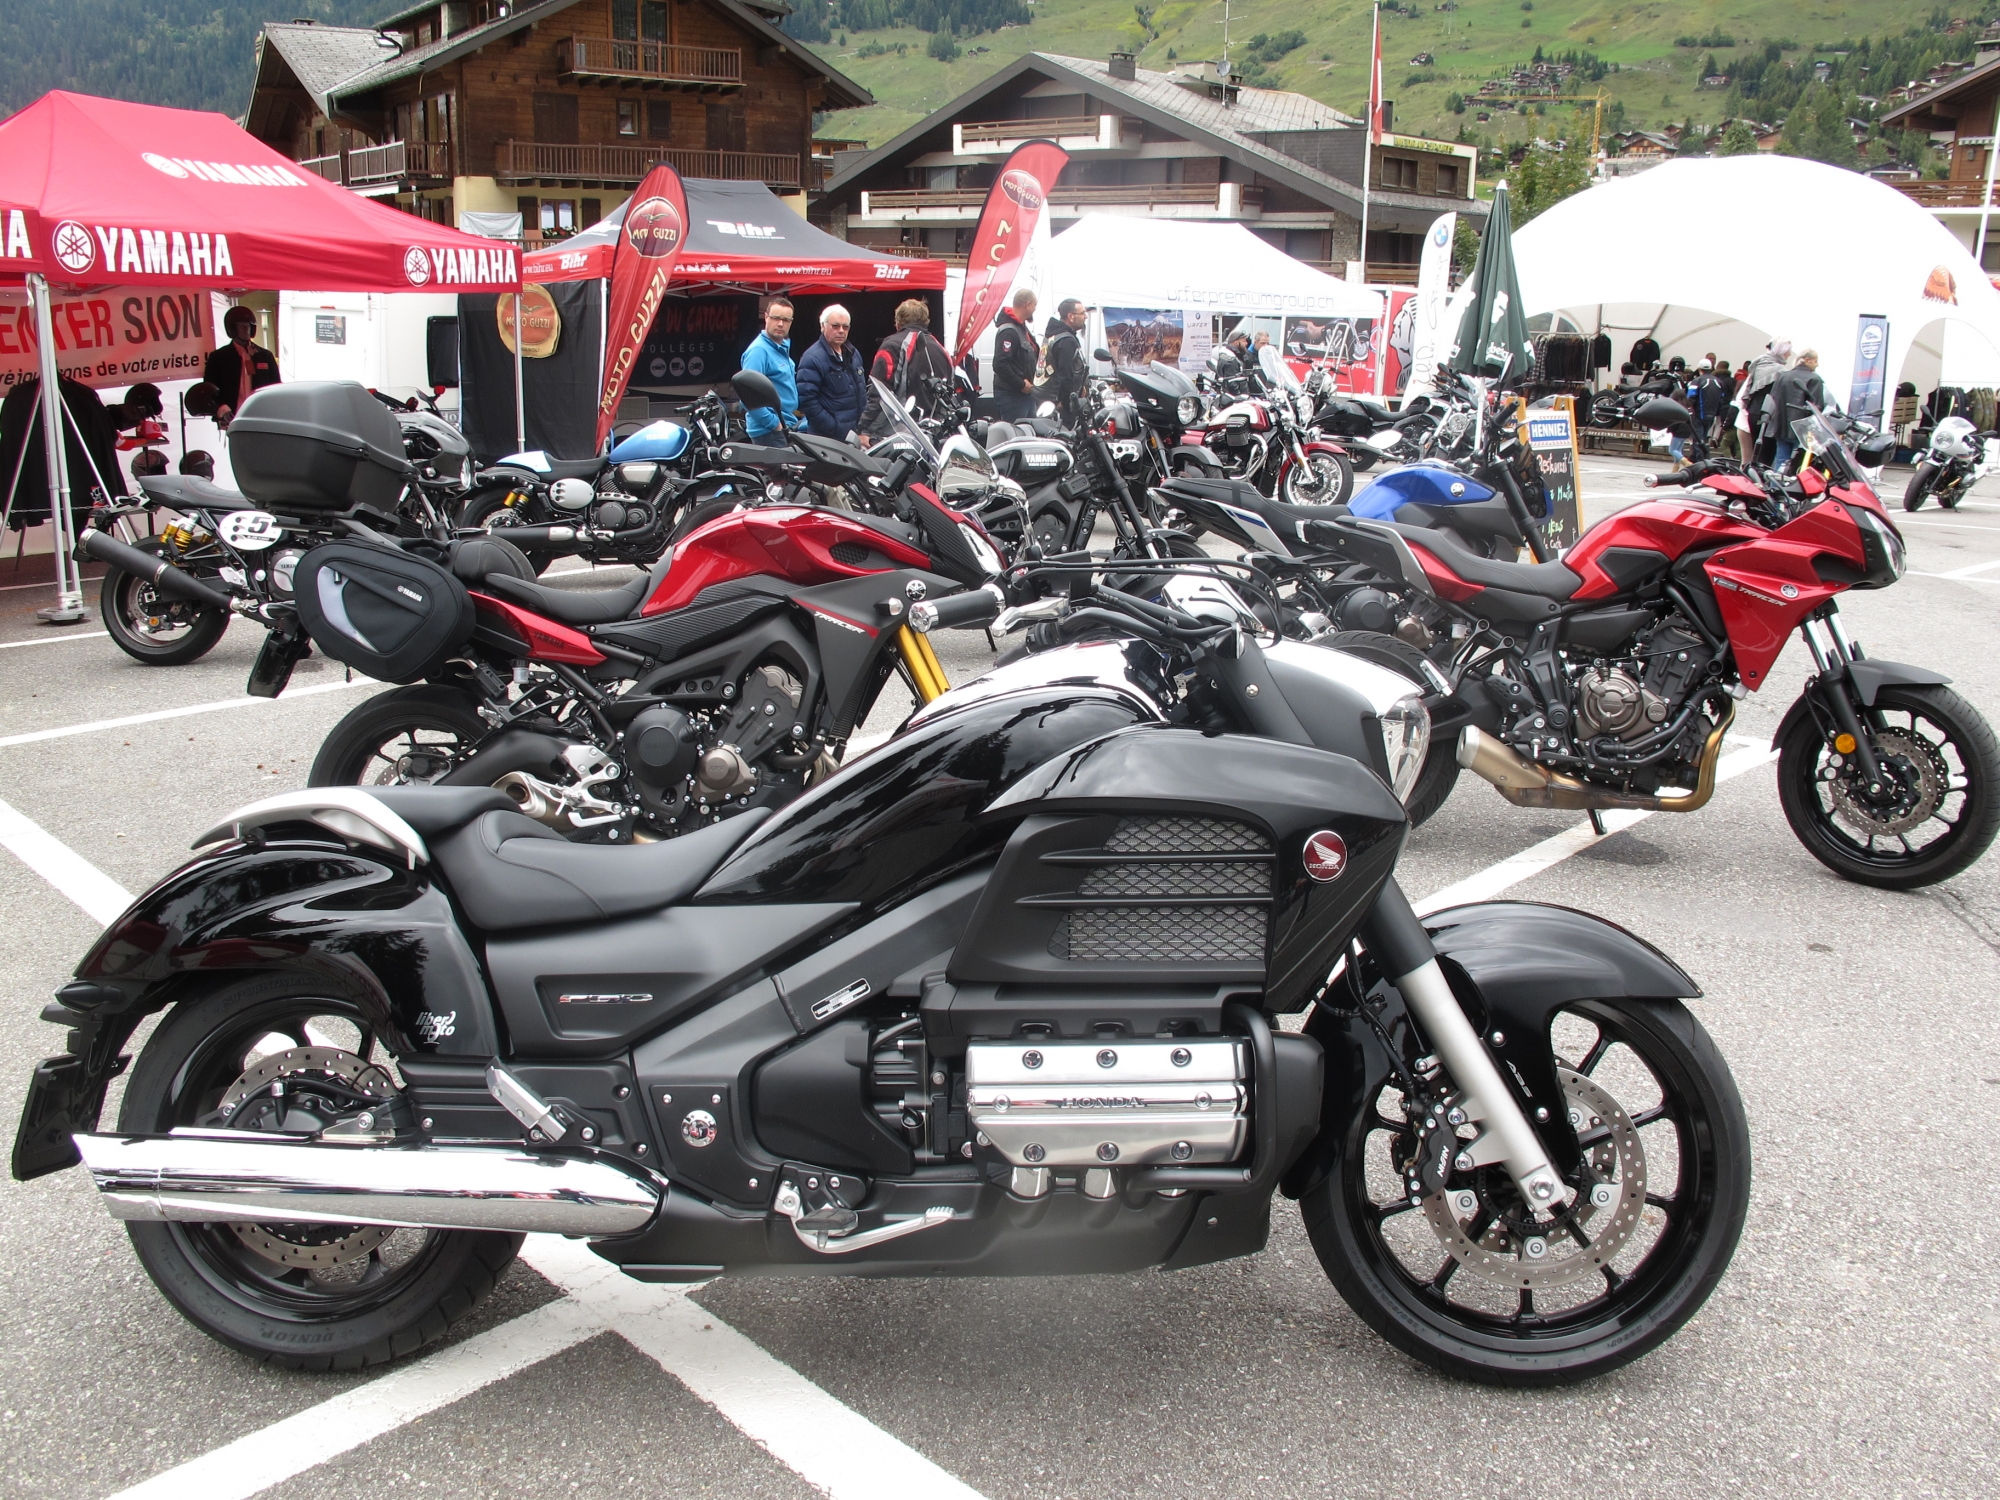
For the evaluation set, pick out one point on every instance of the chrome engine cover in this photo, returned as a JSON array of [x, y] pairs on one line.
[[1153, 1102]]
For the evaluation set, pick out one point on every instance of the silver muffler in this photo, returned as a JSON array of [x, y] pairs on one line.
[[234, 1176]]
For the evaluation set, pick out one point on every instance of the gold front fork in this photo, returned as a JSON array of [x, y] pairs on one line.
[[926, 672]]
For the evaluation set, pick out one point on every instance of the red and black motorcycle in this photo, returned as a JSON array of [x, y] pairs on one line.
[[1610, 678]]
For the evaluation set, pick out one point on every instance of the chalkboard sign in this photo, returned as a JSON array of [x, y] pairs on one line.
[[1548, 429]]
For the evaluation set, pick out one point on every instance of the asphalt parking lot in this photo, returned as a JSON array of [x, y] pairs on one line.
[[1853, 1348]]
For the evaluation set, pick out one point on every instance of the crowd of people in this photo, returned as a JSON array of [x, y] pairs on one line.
[[1761, 398]]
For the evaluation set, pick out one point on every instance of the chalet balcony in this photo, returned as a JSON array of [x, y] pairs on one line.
[[424, 163], [1936, 195], [624, 166], [1166, 200], [324, 166], [602, 60], [1093, 134]]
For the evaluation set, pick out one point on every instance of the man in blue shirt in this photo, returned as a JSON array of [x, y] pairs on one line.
[[770, 355]]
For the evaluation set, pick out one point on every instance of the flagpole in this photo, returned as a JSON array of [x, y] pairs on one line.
[[1368, 137]]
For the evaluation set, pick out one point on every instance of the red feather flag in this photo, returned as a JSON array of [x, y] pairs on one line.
[[1014, 206], [649, 241]]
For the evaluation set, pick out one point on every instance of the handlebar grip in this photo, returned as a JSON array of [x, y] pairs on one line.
[[957, 611], [1693, 474]]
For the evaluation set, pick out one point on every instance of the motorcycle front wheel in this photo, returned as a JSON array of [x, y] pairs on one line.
[[1323, 479], [1920, 485], [406, 737], [151, 628], [298, 1296], [1942, 807], [1465, 1280]]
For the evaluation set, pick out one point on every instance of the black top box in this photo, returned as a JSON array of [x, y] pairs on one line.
[[319, 445]]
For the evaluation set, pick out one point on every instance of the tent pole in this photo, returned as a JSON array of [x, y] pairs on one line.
[[68, 608], [520, 407], [1986, 201]]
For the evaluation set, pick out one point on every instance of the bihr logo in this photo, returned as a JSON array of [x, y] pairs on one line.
[[746, 231], [887, 272], [1325, 855], [654, 228], [1023, 189]]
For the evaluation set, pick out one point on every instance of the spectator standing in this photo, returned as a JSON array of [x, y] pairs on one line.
[[910, 362], [770, 355], [1795, 395], [1729, 381], [833, 382], [1015, 356], [1764, 371], [239, 366], [1064, 371]]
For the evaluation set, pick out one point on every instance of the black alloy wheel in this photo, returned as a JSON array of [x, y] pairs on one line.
[[1936, 810], [408, 736], [487, 510], [151, 628], [1920, 485], [300, 1296], [1467, 1280]]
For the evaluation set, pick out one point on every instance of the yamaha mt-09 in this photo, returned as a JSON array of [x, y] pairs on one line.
[[997, 998]]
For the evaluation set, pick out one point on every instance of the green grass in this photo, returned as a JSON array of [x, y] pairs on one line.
[[1481, 39]]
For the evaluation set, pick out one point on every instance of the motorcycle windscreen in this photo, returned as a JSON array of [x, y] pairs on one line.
[[391, 615]]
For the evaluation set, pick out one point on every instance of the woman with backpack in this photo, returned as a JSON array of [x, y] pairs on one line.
[[906, 362]]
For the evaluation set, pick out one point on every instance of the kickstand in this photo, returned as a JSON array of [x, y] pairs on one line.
[[1597, 822]]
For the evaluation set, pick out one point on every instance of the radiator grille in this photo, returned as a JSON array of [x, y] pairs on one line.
[[1152, 921], [1165, 882], [1185, 836], [1162, 934], [855, 555]]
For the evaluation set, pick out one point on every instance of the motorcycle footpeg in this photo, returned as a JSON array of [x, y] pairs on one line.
[[821, 1206], [547, 1124]]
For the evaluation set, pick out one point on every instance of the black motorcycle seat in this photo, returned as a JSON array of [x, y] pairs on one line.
[[579, 606], [574, 468], [508, 871], [1549, 580], [434, 810], [191, 492], [1248, 497]]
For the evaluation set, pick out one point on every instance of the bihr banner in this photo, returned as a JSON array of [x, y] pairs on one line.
[[110, 337]]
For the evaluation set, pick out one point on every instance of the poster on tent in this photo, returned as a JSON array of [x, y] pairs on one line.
[[699, 340], [111, 337], [1344, 345], [1197, 340], [1871, 370], [1140, 335]]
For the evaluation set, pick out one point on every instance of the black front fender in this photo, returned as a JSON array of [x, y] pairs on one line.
[[1513, 965], [1865, 680], [379, 934]]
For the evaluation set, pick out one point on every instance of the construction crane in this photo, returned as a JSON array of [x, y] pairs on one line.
[[1598, 99]]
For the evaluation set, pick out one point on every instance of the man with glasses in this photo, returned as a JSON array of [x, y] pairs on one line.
[[833, 381], [770, 355]]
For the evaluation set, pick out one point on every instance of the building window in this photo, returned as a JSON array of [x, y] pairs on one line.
[[628, 116], [638, 20], [1399, 173], [659, 120], [1448, 179], [558, 218]]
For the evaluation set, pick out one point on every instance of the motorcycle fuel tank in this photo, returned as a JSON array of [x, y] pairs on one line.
[[663, 442], [1417, 484]]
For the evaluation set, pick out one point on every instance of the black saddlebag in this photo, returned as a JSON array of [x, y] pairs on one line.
[[392, 615]]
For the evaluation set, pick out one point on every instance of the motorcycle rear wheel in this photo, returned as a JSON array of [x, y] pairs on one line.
[[151, 629], [256, 1288], [1937, 739], [1689, 1139], [406, 737], [487, 510]]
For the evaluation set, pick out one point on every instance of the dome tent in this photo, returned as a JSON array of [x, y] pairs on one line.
[[1724, 254]]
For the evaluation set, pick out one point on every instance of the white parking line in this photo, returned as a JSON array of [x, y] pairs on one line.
[[97, 725], [273, 1454], [101, 897], [50, 640], [826, 1442]]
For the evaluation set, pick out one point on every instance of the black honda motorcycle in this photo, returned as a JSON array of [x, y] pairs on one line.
[[998, 998]]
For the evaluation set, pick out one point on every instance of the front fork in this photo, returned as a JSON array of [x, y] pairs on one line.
[[1832, 650], [924, 671]]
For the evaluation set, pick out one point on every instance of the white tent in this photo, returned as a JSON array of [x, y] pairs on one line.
[[1727, 253]]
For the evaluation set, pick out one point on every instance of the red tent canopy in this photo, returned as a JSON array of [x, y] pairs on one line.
[[98, 191], [741, 235]]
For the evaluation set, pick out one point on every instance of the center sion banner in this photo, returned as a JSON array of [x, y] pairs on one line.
[[649, 241], [1014, 206]]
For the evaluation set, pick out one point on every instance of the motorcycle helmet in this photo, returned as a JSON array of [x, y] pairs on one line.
[[1954, 437]]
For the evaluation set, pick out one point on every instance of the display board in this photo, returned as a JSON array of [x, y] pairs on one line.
[[111, 337], [1549, 431]]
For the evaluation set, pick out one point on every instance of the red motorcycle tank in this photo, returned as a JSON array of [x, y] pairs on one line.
[[800, 544], [1619, 550]]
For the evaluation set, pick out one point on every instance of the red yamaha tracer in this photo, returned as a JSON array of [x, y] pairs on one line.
[[1608, 679]]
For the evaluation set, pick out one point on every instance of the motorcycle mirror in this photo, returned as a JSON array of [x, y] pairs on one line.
[[1662, 412], [755, 389], [1046, 409], [1103, 354]]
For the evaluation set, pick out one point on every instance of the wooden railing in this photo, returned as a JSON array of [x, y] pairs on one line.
[[398, 160], [1021, 130], [524, 160], [1943, 194], [323, 166], [1147, 193], [919, 252], [658, 62]]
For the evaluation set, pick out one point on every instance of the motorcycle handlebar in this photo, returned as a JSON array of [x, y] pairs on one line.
[[1681, 478], [965, 611]]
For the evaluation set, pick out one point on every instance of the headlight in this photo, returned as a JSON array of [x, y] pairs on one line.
[[1406, 739], [1188, 411], [1882, 548]]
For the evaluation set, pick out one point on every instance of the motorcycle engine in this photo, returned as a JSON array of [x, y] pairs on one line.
[[1610, 701], [1635, 695], [697, 762]]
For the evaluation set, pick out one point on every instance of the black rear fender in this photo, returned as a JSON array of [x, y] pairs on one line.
[[1513, 965]]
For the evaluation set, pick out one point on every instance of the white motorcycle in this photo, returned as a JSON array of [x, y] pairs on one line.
[[1960, 456]]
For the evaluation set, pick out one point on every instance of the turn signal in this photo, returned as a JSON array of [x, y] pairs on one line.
[[1844, 743]]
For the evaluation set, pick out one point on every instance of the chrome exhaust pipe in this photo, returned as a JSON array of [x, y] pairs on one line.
[[236, 1176]]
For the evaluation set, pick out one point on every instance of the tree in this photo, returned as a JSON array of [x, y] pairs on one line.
[[943, 47], [1464, 249], [1737, 140], [1454, 102], [1816, 129], [1549, 173]]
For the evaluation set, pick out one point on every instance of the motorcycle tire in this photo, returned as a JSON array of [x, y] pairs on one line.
[[1361, 458], [354, 751], [1440, 773], [1333, 488], [411, 1285], [1687, 1186], [479, 513], [129, 605], [1835, 826], [1919, 486]]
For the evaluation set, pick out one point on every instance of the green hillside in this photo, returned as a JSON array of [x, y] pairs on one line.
[[1656, 80]]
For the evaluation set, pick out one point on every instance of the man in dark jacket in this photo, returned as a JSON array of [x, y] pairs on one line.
[[910, 363], [833, 383], [1015, 356], [1064, 371], [1795, 395], [239, 366]]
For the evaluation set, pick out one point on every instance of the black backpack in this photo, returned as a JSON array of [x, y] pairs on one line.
[[390, 614]]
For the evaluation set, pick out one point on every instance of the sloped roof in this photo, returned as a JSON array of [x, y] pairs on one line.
[[1254, 109], [1917, 113], [320, 57]]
